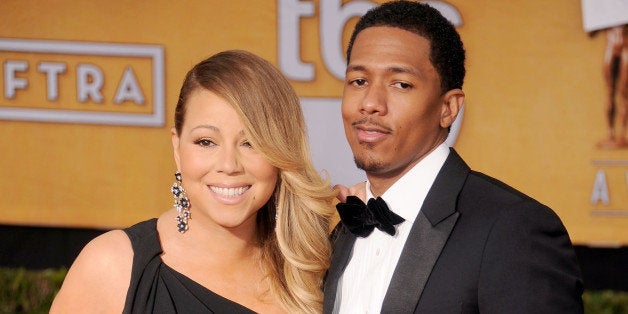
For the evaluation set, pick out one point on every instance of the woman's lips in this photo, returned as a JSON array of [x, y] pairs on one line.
[[229, 192]]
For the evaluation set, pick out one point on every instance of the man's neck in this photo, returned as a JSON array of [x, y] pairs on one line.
[[381, 182]]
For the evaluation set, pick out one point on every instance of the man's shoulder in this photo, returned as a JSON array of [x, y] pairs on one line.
[[478, 191], [489, 196], [487, 186], [492, 197]]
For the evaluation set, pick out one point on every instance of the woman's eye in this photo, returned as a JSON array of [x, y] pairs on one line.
[[204, 143], [247, 144]]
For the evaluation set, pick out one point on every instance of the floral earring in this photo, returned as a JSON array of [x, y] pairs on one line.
[[181, 203]]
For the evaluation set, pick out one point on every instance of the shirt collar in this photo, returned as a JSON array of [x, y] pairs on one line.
[[406, 196]]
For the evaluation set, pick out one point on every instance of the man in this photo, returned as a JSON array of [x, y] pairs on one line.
[[469, 243], [616, 79]]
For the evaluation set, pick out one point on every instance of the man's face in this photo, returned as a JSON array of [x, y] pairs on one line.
[[392, 107]]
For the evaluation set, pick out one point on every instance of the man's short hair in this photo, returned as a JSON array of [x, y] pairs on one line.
[[446, 49]]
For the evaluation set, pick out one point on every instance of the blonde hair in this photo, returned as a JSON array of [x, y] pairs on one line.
[[295, 247]]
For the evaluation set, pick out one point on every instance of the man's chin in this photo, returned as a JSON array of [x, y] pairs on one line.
[[368, 165]]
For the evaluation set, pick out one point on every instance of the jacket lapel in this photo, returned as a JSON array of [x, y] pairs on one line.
[[427, 238], [342, 248]]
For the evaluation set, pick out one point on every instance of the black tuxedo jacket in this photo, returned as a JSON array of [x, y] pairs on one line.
[[477, 246]]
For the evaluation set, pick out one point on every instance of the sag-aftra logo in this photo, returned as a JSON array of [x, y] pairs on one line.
[[82, 82]]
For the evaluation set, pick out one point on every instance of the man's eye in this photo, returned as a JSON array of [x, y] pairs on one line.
[[358, 82], [402, 85]]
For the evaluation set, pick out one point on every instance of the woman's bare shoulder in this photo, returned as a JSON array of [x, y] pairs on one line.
[[99, 277]]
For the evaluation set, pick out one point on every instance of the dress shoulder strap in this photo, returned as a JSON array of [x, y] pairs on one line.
[[146, 260], [145, 241]]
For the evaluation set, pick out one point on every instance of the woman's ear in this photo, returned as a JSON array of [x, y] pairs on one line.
[[452, 102], [175, 147]]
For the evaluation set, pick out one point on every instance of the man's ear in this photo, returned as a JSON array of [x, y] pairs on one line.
[[452, 103], [175, 147]]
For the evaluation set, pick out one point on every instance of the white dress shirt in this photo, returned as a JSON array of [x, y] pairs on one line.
[[364, 283]]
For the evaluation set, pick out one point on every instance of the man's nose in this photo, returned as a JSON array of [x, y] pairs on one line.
[[374, 101]]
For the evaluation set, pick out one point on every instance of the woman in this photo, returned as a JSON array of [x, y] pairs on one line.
[[249, 231]]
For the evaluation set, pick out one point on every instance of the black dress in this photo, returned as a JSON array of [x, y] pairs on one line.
[[157, 288]]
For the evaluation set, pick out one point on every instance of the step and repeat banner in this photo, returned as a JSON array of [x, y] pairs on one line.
[[88, 90]]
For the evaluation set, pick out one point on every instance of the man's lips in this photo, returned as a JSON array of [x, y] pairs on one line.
[[369, 135], [370, 132]]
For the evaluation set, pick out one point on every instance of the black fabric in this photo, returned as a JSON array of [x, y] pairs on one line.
[[477, 246], [157, 288], [362, 219]]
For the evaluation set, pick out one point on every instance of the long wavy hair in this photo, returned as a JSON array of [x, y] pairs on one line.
[[295, 246]]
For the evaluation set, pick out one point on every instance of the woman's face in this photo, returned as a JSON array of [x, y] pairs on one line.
[[226, 179]]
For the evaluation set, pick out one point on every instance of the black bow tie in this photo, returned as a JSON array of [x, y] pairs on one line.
[[361, 219]]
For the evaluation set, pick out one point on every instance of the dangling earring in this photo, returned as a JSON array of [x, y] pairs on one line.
[[182, 204]]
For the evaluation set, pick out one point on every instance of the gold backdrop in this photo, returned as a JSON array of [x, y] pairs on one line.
[[533, 112]]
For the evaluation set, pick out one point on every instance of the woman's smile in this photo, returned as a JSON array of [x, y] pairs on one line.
[[229, 192]]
